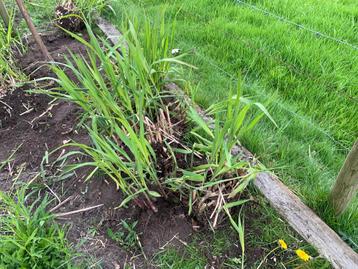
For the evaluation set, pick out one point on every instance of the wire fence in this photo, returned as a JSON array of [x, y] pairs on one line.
[[301, 26], [280, 105]]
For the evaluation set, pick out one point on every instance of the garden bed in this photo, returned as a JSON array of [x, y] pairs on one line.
[[35, 124], [32, 120], [136, 170]]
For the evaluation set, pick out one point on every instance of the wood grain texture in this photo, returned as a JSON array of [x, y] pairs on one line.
[[33, 30], [301, 218], [112, 34], [346, 185], [109, 30], [306, 222]]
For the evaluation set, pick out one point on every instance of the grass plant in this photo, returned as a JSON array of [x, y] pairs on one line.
[[308, 80], [126, 236], [119, 88], [29, 238], [8, 40], [223, 176], [230, 122], [116, 90]]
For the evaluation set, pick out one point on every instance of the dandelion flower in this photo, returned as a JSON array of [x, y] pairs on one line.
[[303, 255], [282, 244]]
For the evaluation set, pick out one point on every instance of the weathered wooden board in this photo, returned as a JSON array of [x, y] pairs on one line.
[[109, 30], [346, 186], [289, 206], [306, 222]]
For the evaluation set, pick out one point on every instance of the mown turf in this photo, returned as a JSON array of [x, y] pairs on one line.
[[308, 81], [337, 19]]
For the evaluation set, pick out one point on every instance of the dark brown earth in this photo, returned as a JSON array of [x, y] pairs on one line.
[[34, 124], [58, 45], [155, 230]]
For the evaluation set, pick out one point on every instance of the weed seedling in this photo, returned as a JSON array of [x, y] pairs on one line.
[[29, 238], [127, 236]]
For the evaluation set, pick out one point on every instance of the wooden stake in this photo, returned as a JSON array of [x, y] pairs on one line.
[[4, 14], [33, 30], [346, 186]]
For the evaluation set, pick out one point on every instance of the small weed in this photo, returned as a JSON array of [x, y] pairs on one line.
[[233, 263], [28, 236], [127, 236]]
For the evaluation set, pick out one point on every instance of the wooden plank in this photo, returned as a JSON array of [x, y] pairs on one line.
[[346, 186], [301, 218], [306, 222], [113, 35], [109, 30]]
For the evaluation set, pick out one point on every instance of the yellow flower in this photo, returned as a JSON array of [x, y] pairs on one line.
[[282, 244], [303, 255]]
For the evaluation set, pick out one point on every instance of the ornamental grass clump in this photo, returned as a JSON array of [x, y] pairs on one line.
[[218, 180], [119, 88], [148, 141]]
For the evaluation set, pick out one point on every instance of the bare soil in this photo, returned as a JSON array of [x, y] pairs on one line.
[[34, 124]]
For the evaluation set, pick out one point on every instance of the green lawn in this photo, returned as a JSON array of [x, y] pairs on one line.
[[308, 82]]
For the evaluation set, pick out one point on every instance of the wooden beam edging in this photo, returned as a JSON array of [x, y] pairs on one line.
[[306, 223], [110, 31], [300, 217]]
